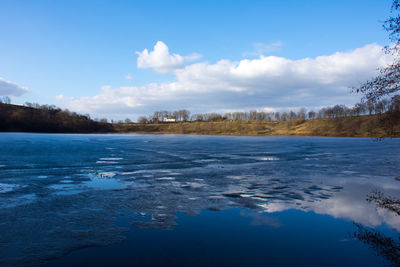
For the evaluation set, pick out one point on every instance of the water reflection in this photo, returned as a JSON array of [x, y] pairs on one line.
[[75, 198], [385, 202], [386, 246], [258, 219]]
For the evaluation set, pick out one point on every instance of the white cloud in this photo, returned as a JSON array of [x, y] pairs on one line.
[[260, 49], [264, 83], [8, 88], [161, 60], [128, 77], [349, 204]]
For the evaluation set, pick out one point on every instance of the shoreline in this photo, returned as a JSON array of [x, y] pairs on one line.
[[198, 134], [363, 126]]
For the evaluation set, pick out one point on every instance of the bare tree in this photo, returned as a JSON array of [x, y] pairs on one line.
[[284, 116], [359, 109], [277, 116], [387, 83], [292, 115], [158, 116], [197, 117], [395, 104], [142, 119], [382, 106], [302, 113], [311, 115], [184, 114], [6, 100], [253, 115]]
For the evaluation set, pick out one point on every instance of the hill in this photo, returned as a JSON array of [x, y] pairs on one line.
[[50, 119], [47, 119], [358, 126]]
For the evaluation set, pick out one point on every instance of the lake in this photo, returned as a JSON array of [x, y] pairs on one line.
[[159, 200]]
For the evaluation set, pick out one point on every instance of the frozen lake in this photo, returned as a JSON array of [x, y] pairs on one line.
[[175, 200]]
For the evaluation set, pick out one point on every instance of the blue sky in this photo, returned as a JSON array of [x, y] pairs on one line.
[[73, 49]]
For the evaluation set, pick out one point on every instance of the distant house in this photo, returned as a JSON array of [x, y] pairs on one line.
[[166, 119]]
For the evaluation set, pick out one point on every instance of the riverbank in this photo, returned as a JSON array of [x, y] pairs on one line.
[[48, 119], [362, 126]]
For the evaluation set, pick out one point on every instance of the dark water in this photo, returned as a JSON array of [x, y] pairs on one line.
[[150, 200]]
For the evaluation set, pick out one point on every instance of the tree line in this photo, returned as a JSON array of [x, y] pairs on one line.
[[33, 117], [384, 106]]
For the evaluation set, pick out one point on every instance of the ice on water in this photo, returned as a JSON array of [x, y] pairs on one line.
[[72, 196]]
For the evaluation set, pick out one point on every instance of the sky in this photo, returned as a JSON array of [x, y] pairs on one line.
[[123, 59]]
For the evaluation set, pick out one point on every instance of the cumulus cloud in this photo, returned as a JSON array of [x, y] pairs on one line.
[[264, 83], [8, 88], [161, 60], [128, 77]]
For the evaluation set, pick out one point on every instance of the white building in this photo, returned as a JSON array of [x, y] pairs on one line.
[[166, 119]]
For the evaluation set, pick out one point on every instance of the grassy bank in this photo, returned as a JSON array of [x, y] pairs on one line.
[[54, 120], [362, 126]]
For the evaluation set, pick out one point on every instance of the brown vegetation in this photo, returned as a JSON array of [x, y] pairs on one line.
[[358, 126], [335, 121]]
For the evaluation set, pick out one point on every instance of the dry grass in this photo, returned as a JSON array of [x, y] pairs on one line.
[[363, 126]]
